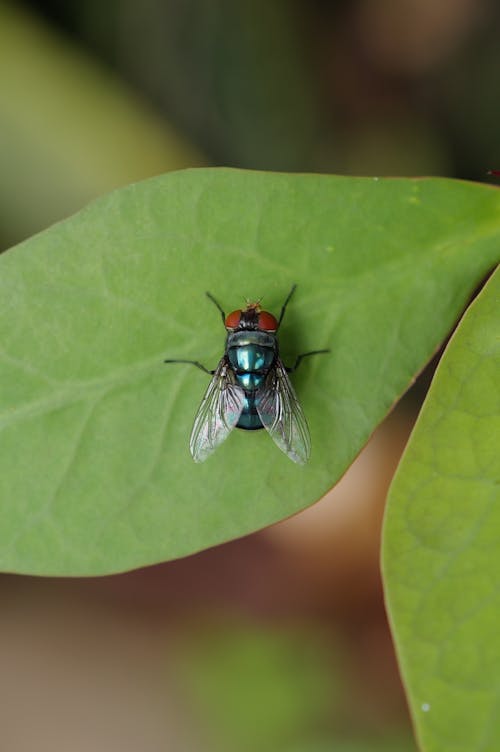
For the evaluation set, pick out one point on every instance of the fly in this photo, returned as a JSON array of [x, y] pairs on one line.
[[250, 388]]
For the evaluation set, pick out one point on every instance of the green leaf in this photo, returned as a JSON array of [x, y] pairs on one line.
[[95, 472], [441, 555]]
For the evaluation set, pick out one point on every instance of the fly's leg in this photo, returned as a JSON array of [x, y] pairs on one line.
[[193, 363], [301, 357], [214, 301], [283, 307]]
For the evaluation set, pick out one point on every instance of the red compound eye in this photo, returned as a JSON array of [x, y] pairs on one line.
[[267, 322], [233, 320]]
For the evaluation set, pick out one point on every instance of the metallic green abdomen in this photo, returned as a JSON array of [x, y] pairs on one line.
[[251, 362]]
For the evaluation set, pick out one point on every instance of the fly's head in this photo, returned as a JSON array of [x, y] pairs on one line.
[[252, 317]]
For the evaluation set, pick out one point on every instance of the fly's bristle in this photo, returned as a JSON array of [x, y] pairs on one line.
[[253, 306]]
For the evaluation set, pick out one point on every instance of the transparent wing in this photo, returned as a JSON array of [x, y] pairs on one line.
[[282, 416], [218, 413]]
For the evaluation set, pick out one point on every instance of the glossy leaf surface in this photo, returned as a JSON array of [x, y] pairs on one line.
[[95, 472], [441, 553]]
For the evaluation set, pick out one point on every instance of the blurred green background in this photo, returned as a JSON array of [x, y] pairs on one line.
[[278, 641]]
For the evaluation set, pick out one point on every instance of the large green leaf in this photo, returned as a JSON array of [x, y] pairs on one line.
[[441, 552], [95, 472]]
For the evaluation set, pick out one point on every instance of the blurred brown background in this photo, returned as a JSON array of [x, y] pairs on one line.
[[278, 641]]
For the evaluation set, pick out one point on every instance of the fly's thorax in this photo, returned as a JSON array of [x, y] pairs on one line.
[[252, 337], [251, 354]]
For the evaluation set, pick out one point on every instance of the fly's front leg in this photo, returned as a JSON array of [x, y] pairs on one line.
[[283, 307], [196, 362], [218, 305], [293, 368]]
